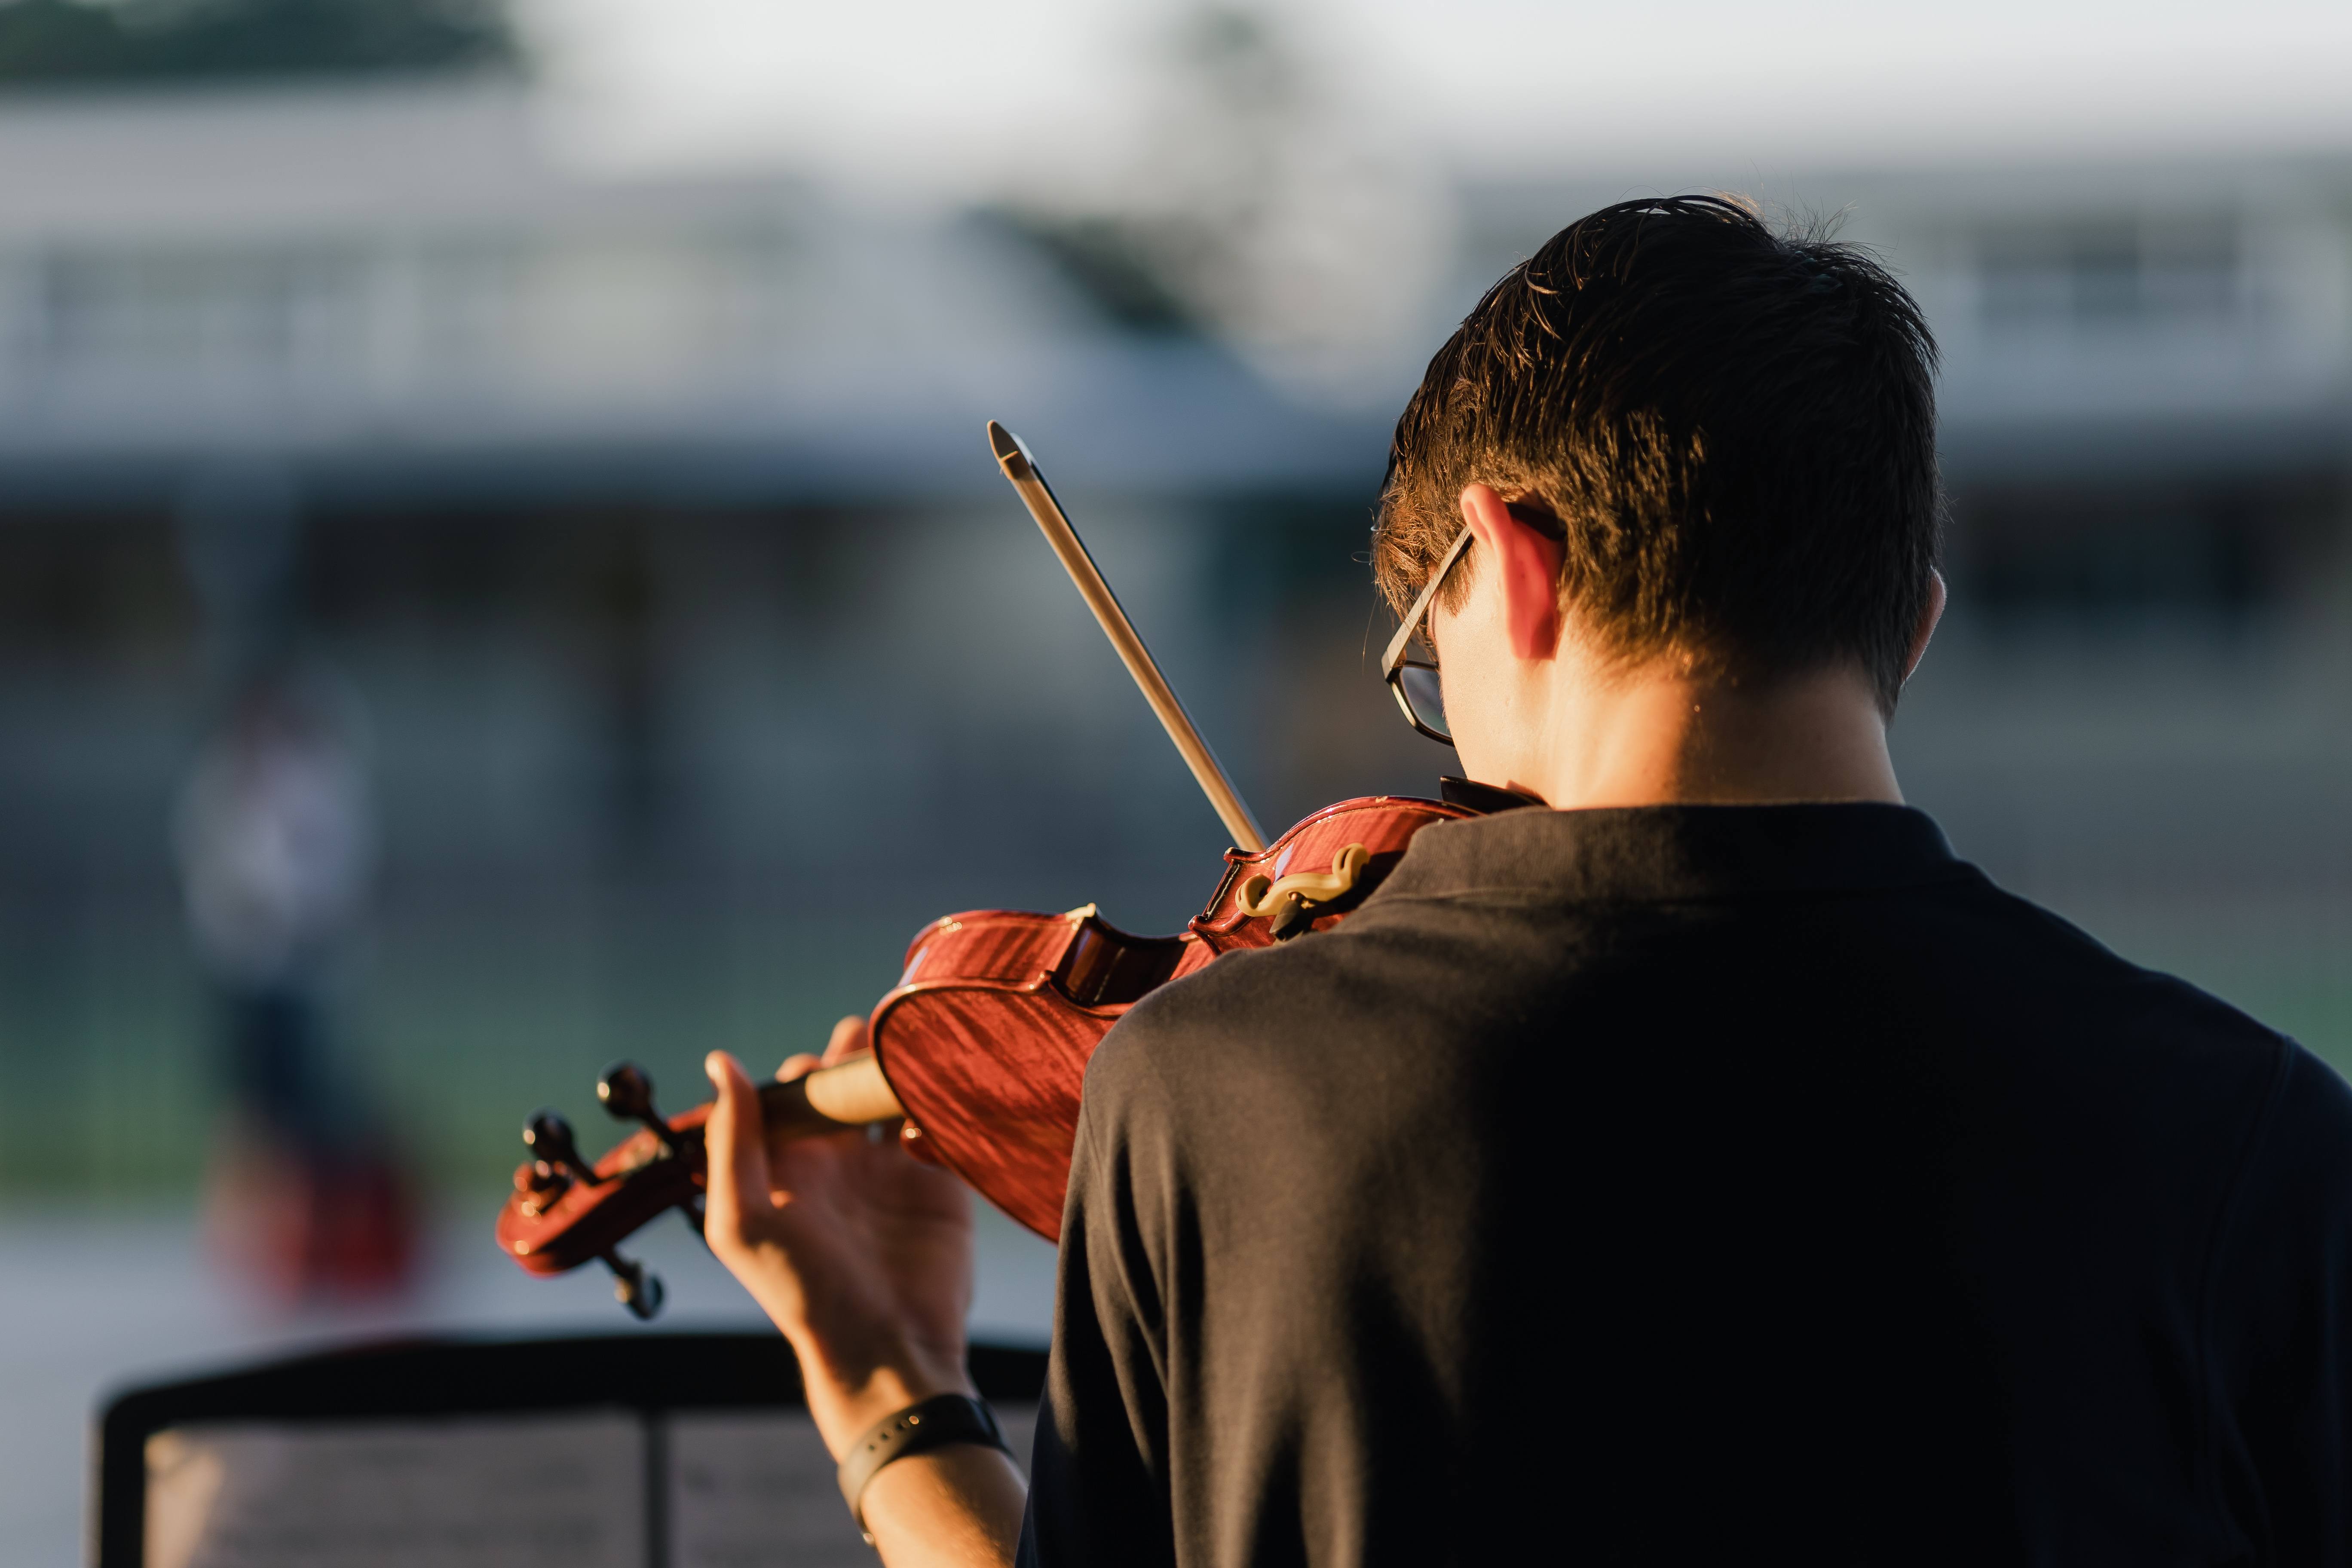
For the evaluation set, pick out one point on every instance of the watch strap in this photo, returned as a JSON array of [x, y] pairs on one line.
[[934, 1422]]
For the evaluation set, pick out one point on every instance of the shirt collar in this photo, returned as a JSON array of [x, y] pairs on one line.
[[1675, 852]]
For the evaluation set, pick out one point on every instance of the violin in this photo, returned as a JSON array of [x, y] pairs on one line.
[[980, 1051]]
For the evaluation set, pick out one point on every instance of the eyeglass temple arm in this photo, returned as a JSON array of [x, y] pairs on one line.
[[1395, 654], [1014, 461]]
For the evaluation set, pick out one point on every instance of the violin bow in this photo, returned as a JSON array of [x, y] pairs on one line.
[[1038, 495]]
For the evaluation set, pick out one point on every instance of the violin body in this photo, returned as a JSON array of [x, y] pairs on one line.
[[986, 1038], [981, 1046]]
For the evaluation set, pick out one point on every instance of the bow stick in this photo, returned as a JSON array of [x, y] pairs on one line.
[[1022, 470]]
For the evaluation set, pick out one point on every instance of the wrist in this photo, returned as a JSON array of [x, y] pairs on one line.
[[943, 1421], [965, 1493], [850, 1387]]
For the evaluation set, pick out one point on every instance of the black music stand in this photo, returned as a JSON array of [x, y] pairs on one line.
[[673, 1391]]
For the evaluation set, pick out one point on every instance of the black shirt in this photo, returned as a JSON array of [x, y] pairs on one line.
[[1699, 1184]]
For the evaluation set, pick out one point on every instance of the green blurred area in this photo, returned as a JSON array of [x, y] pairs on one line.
[[74, 42], [107, 1030], [466, 1027], [646, 786]]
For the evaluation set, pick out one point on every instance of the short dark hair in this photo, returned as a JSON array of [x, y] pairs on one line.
[[1737, 427]]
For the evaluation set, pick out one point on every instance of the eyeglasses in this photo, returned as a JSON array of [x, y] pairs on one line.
[[1414, 680]]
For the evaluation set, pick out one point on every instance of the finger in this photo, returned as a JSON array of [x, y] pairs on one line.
[[798, 1066], [848, 1040], [736, 1140]]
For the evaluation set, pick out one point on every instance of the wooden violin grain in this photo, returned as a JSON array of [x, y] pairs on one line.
[[982, 1047]]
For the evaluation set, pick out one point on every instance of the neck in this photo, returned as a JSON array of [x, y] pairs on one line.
[[1660, 738]]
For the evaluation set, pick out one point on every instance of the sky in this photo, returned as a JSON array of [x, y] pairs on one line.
[[928, 97]]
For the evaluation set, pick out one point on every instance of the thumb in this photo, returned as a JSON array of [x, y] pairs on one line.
[[849, 1038], [736, 1142]]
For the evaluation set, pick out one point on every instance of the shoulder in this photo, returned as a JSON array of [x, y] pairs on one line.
[[2300, 1152], [1224, 1010], [1324, 1046], [2145, 1009], [2283, 1247], [1182, 1091], [1263, 1037], [1361, 972]]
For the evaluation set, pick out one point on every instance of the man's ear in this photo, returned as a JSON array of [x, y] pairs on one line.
[[1932, 613], [1525, 563]]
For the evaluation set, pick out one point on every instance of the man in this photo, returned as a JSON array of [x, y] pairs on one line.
[[1707, 1167]]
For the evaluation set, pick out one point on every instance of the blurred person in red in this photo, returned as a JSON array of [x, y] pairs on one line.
[[274, 838]]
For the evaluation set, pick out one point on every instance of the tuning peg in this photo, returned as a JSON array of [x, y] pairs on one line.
[[628, 1093], [539, 1184], [548, 1135], [635, 1286]]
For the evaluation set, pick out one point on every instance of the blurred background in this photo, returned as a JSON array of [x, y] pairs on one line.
[[499, 567]]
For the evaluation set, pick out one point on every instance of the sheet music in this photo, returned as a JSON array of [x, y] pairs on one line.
[[755, 1490], [745, 1489], [536, 1491]]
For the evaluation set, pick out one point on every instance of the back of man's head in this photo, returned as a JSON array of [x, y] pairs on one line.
[[1737, 429]]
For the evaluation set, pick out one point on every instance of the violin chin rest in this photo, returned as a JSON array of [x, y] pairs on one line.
[[1291, 901]]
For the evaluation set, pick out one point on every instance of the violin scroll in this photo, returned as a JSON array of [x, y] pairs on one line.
[[566, 1210]]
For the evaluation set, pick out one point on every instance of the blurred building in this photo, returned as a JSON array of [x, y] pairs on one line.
[[707, 655], [655, 523], [405, 282]]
